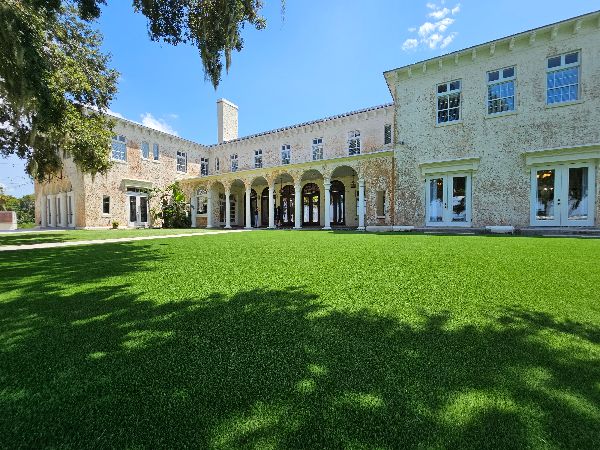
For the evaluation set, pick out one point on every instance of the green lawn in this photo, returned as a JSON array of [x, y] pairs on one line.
[[302, 340], [33, 237]]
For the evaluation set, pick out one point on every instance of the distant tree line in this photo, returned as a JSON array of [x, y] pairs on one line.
[[24, 206]]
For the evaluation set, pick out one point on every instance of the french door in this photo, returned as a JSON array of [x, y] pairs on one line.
[[563, 195], [448, 198], [138, 210]]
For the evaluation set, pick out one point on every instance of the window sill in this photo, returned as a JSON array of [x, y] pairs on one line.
[[106, 215], [156, 161], [502, 114], [380, 217], [448, 124], [179, 171], [119, 161], [201, 214], [558, 105]]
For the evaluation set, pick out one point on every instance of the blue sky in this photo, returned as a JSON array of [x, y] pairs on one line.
[[324, 57]]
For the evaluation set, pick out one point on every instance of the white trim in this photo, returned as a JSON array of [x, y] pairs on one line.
[[447, 178], [449, 166], [132, 182], [562, 154]]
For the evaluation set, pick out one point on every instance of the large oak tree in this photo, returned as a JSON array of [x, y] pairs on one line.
[[55, 82]]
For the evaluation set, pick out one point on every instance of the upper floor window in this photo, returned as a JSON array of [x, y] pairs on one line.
[[317, 149], [234, 162], [563, 78], [501, 90], [258, 160], [119, 148], [387, 134], [203, 167], [155, 152], [354, 142], [448, 101], [286, 154], [145, 150], [181, 161], [217, 165]]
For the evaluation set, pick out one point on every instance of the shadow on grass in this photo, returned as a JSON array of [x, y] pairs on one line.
[[102, 368], [32, 237]]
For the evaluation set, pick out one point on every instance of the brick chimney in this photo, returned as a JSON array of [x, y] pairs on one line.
[[227, 120]]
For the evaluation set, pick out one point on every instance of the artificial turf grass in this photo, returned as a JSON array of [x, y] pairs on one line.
[[292, 339], [31, 237]]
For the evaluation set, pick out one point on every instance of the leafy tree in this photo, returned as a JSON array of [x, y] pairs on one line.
[[173, 209], [54, 82], [26, 209]]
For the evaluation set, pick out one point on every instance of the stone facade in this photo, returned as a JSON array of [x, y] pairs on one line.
[[497, 145], [393, 166]]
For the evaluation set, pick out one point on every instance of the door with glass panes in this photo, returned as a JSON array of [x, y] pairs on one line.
[[137, 204], [448, 198], [563, 195]]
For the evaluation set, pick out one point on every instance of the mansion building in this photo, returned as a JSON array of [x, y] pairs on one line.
[[502, 134]]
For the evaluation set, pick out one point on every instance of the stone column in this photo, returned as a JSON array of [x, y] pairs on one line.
[[193, 211], [43, 211], [271, 205], [227, 207], [52, 210], [209, 207], [298, 206], [248, 212], [63, 209], [327, 189], [361, 204]]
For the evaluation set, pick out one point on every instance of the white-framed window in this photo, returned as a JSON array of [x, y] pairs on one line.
[[387, 134], [234, 162], [181, 161], [119, 148], [448, 101], [258, 159], [286, 154], [201, 201], [145, 150], [354, 142], [562, 78], [155, 151], [501, 90], [203, 167], [106, 204], [217, 165], [317, 149]]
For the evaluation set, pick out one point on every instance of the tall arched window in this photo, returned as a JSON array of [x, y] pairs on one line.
[[337, 210], [311, 199], [287, 205]]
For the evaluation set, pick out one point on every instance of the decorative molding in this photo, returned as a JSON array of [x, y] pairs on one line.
[[577, 26], [532, 37], [562, 154], [449, 166], [409, 72], [441, 63], [511, 44], [554, 32], [424, 67], [474, 54], [456, 58], [492, 48]]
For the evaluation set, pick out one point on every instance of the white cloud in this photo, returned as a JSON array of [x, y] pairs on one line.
[[426, 29], [114, 114], [434, 34], [150, 121], [409, 44], [439, 13], [443, 25], [448, 40]]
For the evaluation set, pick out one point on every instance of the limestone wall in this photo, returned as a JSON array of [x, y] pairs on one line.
[[501, 184]]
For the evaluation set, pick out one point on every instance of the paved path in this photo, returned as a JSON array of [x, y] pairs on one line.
[[7, 248]]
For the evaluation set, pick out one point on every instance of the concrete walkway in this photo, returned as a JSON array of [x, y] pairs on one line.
[[8, 248]]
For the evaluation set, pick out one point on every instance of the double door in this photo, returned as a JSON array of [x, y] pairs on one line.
[[138, 209], [563, 195], [448, 198]]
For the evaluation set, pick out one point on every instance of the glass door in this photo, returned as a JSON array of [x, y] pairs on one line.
[[138, 210], [563, 195], [448, 200]]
